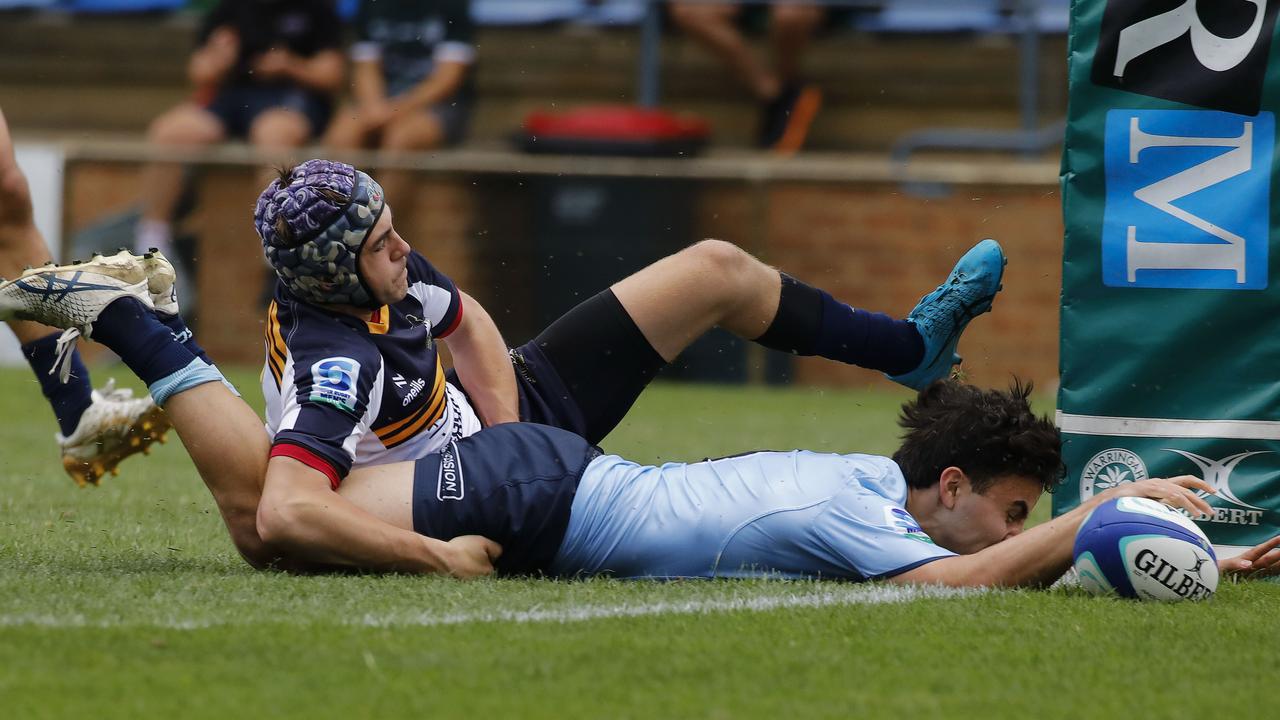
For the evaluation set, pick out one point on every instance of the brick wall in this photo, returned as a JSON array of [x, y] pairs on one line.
[[868, 243]]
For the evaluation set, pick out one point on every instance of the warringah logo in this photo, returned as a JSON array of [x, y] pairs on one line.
[[1218, 474], [1108, 469], [1188, 199], [1208, 54], [449, 484]]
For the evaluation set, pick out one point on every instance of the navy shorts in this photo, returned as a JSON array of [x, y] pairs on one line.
[[512, 483], [237, 106]]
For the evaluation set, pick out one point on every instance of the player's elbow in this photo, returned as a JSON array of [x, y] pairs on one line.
[[282, 523]]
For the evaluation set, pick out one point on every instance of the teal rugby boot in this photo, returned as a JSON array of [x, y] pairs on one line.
[[942, 315]]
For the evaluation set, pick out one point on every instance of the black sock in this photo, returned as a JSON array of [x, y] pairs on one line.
[[69, 400], [811, 322], [144, 343]]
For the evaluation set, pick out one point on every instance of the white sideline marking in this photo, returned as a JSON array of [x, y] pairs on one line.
[[833, 597]]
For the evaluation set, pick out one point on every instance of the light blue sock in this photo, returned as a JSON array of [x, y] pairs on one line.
[[197, 372]]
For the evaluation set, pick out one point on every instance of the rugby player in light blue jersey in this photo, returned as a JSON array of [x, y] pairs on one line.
[[522, 498]]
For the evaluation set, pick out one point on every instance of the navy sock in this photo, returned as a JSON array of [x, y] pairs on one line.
[[811, 322], [69, 400], [144, 343], [183, 334]]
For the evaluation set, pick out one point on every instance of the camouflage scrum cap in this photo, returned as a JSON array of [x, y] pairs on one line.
[[313, 225]]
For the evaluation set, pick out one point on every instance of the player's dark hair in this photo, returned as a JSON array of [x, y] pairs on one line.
[[284, 176], [985, 433]]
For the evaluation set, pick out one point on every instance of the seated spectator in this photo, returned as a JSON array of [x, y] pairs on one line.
[[264, 70], [787, 104], [411, 81]]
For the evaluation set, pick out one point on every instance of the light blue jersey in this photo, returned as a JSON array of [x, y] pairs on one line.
[[781, 514]]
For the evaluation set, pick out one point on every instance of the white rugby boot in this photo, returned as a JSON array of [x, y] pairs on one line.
[[115, 426], [72, 296], [161, 282]]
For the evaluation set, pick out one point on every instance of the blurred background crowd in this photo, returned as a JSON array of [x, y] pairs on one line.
[[779, 125]]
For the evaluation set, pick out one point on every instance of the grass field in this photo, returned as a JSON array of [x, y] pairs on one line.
[[128, 601]]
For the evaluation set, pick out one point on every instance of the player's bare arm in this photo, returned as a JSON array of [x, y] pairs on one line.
[[301, 517], [481, 360], [1039, 556]]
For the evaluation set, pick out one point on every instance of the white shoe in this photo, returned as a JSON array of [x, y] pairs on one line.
[[113, 427], [72, 296], [161, 282]]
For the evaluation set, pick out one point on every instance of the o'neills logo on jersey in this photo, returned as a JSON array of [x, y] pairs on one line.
[[1184, 582], [415, 388], [1208, 54], [449, 484]]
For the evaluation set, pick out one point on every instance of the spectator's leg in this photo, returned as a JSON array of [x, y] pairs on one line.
[[712, 25], [410, 132], [346, 132], [279, 130], [786, 120], [187, 125], [791, 28]]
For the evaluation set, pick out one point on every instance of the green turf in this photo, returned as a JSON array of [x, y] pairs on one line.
[[128, 601]]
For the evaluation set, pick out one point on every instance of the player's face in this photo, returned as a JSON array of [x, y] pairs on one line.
[[980, 520], [384, 261]]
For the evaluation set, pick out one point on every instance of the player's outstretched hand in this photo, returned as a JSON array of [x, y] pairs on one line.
[[472, 556], [1176, 492], [1259, 561]]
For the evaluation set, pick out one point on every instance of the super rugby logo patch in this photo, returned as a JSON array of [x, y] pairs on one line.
[[449, 483], [901, 522], [333, 381]]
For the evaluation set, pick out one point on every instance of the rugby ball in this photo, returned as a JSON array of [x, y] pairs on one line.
[[1139, 548]]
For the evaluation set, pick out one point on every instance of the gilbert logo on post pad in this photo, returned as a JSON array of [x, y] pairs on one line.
[[1208, 54]]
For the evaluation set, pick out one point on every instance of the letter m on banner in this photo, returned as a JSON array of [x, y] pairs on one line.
[[1187, 199]]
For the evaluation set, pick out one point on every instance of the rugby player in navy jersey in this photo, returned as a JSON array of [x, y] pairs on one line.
[[522, 498]]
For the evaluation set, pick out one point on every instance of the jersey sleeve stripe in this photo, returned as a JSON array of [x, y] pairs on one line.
[[308, 458], [457, 320]]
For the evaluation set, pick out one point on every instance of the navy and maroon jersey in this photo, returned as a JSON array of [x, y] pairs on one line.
[[342, 392]]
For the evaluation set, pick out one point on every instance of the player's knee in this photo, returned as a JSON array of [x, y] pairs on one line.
[[15, 194], [15, 208], [721, 257]]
